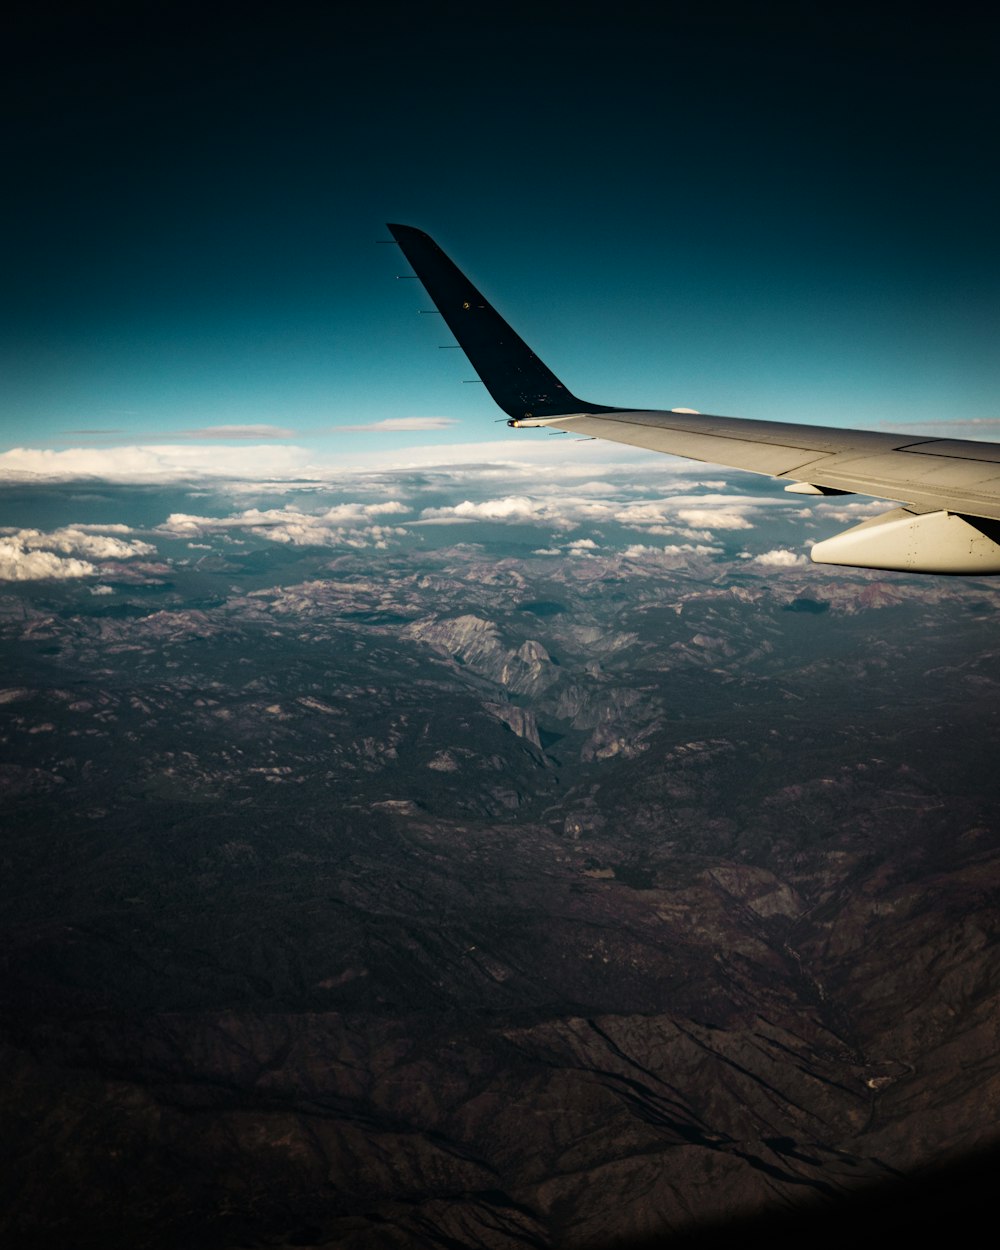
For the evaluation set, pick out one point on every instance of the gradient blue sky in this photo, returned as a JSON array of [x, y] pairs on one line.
[[758, 212]]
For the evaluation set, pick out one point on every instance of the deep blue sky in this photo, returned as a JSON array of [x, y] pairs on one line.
[[760, 213]]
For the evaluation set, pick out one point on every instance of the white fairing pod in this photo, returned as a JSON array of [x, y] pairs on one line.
[[916, 542]]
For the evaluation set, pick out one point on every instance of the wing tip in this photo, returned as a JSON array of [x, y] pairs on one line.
[[398, 228]]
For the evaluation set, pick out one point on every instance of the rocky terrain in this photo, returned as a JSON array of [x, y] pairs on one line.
[[489, 901]]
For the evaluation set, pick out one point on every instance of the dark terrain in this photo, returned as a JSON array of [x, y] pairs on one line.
[[463, 901]]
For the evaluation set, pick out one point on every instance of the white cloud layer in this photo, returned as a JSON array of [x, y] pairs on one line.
[[152, 464], [363, 524], [344, 525], [543, 459]]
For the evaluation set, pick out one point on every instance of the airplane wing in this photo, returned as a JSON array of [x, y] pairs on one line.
[[950, 488]]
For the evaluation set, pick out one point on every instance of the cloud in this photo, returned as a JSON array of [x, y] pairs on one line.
[[536, 459], [20, 565], [674, 515], [238, 432], [398, 425], [87, 540], [101, 589], [512, 509], [31, 555], [668, 531], [153, 464], [716, 518], [204, 433], [639, 551], [100, 528], [847, 512], [343, 525], [339, 514], [780, 558]]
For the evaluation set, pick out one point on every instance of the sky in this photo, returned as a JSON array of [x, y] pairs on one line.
[[751, 210]]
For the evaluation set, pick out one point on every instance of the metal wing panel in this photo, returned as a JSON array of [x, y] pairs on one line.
[[891, 477], [952, 474], [958, 449], [769, 447], [740, 453]]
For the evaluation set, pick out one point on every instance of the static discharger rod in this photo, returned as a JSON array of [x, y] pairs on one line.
[[407, 277]]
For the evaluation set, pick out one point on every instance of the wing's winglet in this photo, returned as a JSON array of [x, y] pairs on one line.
[[519, 382]]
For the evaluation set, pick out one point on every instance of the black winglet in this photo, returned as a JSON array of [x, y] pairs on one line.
[[513, 374]]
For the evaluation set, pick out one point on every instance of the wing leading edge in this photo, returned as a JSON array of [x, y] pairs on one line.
[[950, 487]]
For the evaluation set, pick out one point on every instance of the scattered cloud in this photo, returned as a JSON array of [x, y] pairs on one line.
[[693, 517], [90, 528], [31, 554], [17, 564], [716, 518], [512, 509], [640, 551], [780, 558], [852, 512], [398, 425], [238, 432], [98, 541], [101, 589], [667, 531], [344, 525]]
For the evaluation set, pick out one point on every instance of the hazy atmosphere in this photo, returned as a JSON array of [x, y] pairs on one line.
[[418, 832]]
